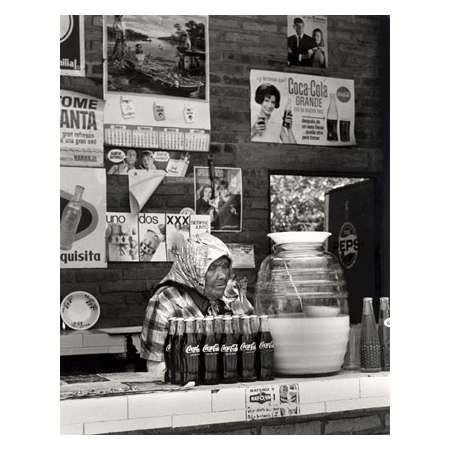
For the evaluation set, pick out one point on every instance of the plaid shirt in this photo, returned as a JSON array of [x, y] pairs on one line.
[[170, 302]]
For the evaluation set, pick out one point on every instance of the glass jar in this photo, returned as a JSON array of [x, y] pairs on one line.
[[300, 277], [302, 290]]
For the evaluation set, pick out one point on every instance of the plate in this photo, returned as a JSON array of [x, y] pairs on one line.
[[80, 310], [290, 237]]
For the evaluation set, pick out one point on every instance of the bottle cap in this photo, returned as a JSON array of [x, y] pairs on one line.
[[227, 317], [208, 318]]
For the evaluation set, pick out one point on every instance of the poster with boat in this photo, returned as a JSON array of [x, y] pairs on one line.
[[156, 81]]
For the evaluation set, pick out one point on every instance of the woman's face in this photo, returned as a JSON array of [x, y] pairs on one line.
[[216, 278], [317, 36], [131, 157], [147, 161], [207, 193], [268, 104]]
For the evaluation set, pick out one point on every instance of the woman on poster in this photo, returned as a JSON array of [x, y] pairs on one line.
[[266, 130], [228, 216], [317, 53], [119, 36]]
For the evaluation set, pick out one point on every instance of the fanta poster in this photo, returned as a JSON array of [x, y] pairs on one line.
[[293, 108], [71, 38], [82, 217]]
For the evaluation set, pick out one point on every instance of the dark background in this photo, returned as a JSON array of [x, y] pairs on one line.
[[358, 49]]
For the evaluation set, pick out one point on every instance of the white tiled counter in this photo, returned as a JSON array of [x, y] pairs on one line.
[[219, 404]]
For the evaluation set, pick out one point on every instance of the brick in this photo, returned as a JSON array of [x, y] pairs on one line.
[[117, 426], [353, 425], [256, 26], [376, 386], [312, 408], [328, 389], [294, 428], [98, 21], [153, 405], [123, 286], [93, 410], [360, 403], [91, 275], [228, 399]]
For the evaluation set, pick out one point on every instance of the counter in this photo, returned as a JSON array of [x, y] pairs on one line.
[[349, 402]]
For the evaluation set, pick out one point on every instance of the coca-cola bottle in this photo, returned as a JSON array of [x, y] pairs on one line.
[[199, 334], [218, 331], [370, 341], [168, 346], [70, 219], [332, 119], [210, 353], [265, 351], [190, 352], [176, 374], [229, 350], [384, 331], [235, 321], [248, 351]]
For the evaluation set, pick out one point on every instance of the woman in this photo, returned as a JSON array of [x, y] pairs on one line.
[[194, 287], [264, 130], [317, 53], [126, 165], [119, 36], [203, 204], [147, 161]]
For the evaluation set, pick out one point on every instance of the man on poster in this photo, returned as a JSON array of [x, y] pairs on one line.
[[299, 44]]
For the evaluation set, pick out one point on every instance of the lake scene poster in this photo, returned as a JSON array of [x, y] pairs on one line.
[[157, 55]]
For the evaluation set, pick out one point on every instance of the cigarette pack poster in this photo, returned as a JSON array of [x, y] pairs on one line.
[[156, 82], [81, 130], [122, 237], [221, 199], [82, 217], [243, 255], [293, 108], [272, 400], [177, 231], [307, 41], [71, 38], [119, 161], [152, 237]]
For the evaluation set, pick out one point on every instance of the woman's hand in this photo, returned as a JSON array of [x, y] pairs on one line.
[[287, 122], [259, 126]]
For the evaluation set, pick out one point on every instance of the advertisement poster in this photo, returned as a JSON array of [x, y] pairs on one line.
[[120, 161], [81, 130], [122, 237], [222, 201], [71, 39], [156, 82], [272, 400], [293, 108], [142, 183], [152, 237], [243, 255], [199, 225], [307, 41], [82, 217], [177, 230]]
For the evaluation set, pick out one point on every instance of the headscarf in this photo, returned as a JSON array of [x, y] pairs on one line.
[[193, 256]]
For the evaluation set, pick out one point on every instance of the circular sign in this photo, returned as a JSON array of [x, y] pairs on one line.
[[65, 27], [348, 245], [161, 156], [187, 211], [116, 155], [80, 310], [343, 94]]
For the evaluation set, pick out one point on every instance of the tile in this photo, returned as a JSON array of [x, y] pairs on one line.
[[321, 390], [375, 386], [152, 405], [71, 340], [228, 399], [312, 408], [93, 410], [91, 350], [189, 420], [74, 428], [116, 426], [102, 340], [361, 403]]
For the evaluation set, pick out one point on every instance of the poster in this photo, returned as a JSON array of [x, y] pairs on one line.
[[81, 130], [119, 161], [224, 205], [122, 237], [152, 237], [177, 230], [242, 255], [82, 217], [71, 39], [199, 224], [293, 108], [142, 183], [156, 82], [307, 41], [272, 400]]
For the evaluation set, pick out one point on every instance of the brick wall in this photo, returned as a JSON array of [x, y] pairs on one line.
[[358, 47]]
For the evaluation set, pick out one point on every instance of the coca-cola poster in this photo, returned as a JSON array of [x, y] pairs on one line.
[[81, 130], [71, 38], [307, 41], [294, 108], [156, 81], [82, 217]]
